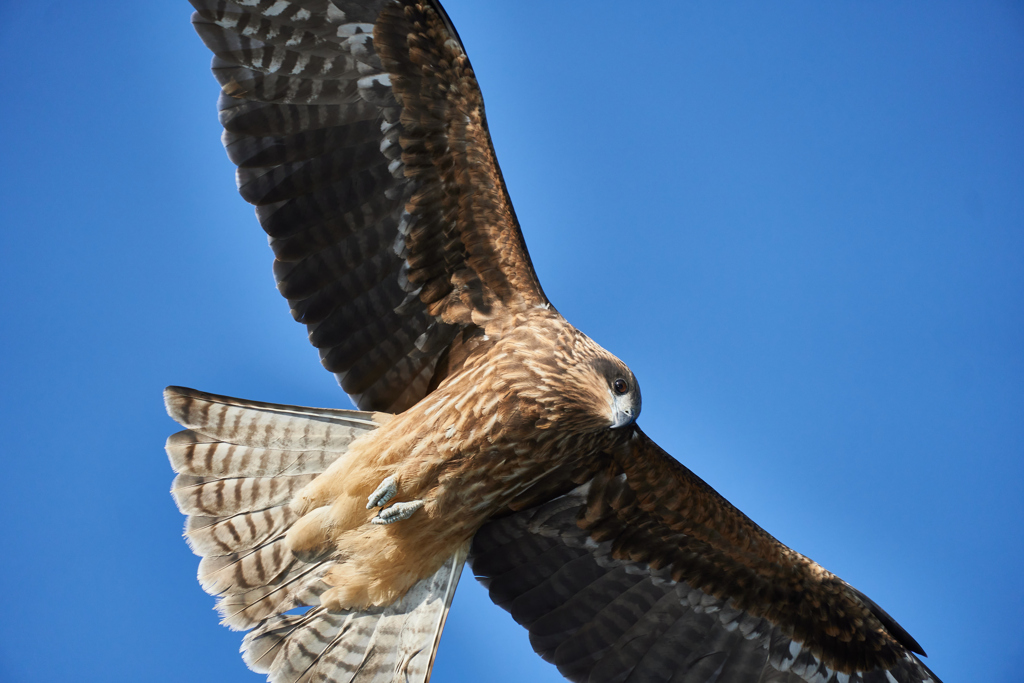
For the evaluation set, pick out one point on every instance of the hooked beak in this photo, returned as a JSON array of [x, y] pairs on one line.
[[623, 412]]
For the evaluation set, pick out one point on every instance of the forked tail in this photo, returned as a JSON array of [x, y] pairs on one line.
[[239, 464]]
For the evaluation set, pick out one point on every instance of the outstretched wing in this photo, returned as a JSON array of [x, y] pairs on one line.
[[644, 573], [359, 133]]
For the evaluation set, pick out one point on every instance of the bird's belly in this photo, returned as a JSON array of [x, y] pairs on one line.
[[462, 479], [479, 485]]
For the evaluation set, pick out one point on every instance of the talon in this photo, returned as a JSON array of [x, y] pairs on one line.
[[397, 512], [384, 493]]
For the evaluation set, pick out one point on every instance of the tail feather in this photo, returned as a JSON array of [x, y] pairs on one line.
[[300, 586], [193, 453], [245, 531], [394, 643], [229, 496], [239, 464], [240, 572], [268, 425]]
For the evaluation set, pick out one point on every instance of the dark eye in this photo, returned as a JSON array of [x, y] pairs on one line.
[[620, 386]]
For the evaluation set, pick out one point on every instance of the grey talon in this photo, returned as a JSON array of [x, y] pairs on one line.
[[397, 512], [386, 490]]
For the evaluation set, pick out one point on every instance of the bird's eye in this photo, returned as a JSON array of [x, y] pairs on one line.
[[620, 386]]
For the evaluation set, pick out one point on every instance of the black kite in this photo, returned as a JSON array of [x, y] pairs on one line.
[[490, 428]]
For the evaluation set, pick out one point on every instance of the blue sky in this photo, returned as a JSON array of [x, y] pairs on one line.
[[801, 225]]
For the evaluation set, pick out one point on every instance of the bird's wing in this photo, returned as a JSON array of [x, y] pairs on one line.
[[642, 572], [359, 133]]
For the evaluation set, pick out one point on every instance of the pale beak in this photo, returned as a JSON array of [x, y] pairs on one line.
[[623, 411]]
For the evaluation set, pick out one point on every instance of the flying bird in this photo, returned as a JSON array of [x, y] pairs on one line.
[[489, 429]]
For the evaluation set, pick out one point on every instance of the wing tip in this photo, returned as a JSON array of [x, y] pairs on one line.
[[891, 625]]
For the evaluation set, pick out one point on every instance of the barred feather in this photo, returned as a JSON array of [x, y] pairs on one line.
[[358, 132], [240, 464], [224, 496], [266, 425], [337, 116], [219, 536], [394, 643], [600, 616], [192, 453]]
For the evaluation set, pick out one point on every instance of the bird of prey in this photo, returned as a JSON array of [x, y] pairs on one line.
[[488, 429]]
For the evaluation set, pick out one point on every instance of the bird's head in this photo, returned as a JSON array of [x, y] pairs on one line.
[[583, 388], [599, 391], [621, 390]]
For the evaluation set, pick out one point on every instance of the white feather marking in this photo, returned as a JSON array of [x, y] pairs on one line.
[[421, 341], [403, 278], [372, 82], [817, 676], [277, 8], [405, 224], [349, 30], [316, 90], [489, 425], [302, 62]]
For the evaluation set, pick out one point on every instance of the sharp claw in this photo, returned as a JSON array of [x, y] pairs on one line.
[[384, 493], [397, 512]]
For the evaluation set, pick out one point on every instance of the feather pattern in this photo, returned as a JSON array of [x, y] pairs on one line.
[[391, 226], [394, 643], [633, 576], [240, 465], [359, 134]]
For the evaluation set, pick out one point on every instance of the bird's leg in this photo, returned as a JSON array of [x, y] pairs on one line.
[[397, 512], [386, 491]]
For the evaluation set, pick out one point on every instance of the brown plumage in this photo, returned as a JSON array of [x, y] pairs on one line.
[[490, 427]]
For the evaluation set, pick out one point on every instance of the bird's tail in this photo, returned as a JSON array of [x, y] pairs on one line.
[[239, 465]]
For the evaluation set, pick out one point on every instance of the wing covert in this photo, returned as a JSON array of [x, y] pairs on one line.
[[359, 133], [642, 572]]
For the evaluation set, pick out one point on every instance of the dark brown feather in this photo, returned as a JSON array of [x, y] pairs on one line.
[[700, 588], [359, 133]]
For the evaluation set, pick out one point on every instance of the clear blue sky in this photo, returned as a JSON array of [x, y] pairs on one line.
[[800, 223]]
